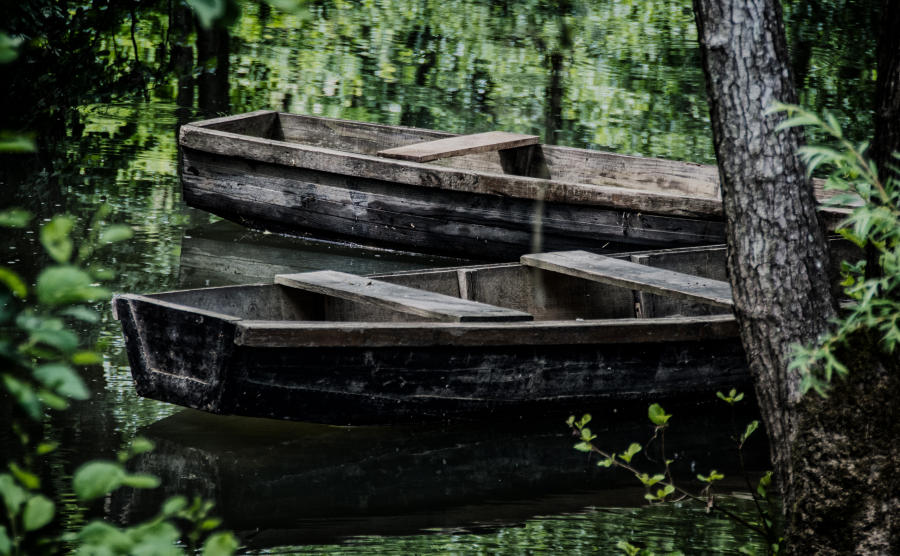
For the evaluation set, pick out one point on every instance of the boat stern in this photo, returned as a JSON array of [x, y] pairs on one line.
[[177, 354]]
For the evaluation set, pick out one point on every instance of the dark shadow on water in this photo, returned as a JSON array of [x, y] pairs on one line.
[[278, 483]]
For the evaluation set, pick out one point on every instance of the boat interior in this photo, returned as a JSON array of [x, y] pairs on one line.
[[563, 164], [545, 295]]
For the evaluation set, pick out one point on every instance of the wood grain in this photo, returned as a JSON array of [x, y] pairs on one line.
[[401, 298], [460, 145], [633, 275]]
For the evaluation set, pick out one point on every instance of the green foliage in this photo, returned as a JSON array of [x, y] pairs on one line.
[[713, 476], [874, 224], [633, 449], [659, 417], [40, 351], [732, 398], [660, 487]]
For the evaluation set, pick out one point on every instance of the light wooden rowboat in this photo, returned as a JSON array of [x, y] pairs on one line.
[[492, 196]]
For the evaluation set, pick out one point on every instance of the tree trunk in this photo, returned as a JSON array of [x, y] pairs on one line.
[[887, 88], [827, 458]]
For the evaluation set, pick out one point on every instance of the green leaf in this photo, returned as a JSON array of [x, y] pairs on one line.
[[56, 240], [86, 358], [51, 400], [220, 544], [39, 511], [63, 380], [657, 415], [751, 427], [12, 281], [585, 419], [116, 233], [155, 537], [630, 452], [141, 445], [61, 285], [24, 394], [209, 524], [81, 313], [765, 482], [64, 341], [803, 119], [8, 48], [571, 420], [10, 143], [105, 538], [5, 542], [140, 480], [713, 476], [13, 495], [97, 478], [583, 447], [26, 478], [649, 481], [45, 448], [14, 218], [628, 548], [174, 505], [606, 462]]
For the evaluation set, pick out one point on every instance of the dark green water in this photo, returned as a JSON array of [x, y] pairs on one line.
[[621, 76]]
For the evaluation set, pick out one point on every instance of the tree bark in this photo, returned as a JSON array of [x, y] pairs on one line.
[[831, 456], [887, 88]]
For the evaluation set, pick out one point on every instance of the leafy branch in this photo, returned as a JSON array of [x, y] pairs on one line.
[[40, 354], [873, 224], [661, 487]]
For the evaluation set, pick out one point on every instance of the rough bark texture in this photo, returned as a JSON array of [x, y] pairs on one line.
[[832, 456], [887, 87]]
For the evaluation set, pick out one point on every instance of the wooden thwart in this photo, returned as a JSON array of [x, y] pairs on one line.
[[399, 298], [457, 146], [626, 274]]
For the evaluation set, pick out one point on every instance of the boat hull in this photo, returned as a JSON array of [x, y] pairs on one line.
[[412, 371], [294, 174], [490, 227]]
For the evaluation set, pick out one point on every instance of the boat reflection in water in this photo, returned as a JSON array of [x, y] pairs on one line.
[[277, 483], [224, 253]]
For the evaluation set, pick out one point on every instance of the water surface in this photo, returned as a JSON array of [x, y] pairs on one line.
[[618, 76]]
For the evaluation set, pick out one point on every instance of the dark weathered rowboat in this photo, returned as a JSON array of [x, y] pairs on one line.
[[492, 196], [560, 331]]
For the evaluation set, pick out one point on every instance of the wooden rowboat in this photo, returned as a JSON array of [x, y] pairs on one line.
[[492, 196], [557, 332]]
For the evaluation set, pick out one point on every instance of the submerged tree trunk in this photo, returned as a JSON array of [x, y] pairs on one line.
[[829, 454]]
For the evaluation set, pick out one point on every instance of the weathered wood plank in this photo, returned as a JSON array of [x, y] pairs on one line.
[[633, 275], [487, 226], [447, 178], [400, 298], [565, 164], [460, 145], [474, 334], [261, 123]]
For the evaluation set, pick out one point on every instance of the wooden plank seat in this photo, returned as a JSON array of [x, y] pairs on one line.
[[399, 298], [618, 272], [460, 145]]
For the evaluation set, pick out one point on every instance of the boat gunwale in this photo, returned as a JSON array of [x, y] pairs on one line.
[[285, 334], [298, 333]]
